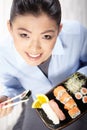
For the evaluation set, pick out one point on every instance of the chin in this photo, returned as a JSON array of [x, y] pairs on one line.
[[33, 63]]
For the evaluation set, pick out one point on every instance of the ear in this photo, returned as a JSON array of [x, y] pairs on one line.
[[9, 26]]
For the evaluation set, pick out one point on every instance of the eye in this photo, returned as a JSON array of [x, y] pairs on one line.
[[24, 35], [48, 37]]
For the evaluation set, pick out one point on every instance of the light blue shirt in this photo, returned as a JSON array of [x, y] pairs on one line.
[[68, 56]]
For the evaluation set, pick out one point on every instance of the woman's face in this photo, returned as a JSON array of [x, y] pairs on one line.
[[34, 37]]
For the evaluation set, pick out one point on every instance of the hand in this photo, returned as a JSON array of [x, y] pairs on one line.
[[6, 111]]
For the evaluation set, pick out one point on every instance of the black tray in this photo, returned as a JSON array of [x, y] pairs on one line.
[[82, 106]]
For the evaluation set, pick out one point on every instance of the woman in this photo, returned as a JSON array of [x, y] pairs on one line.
[[41, 53]]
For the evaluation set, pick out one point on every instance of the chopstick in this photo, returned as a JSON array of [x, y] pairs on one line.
[[12, 99], [20, 96], [13, 104]]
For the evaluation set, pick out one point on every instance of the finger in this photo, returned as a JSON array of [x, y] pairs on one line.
[[9, 110], [5, 111], [2, 112]]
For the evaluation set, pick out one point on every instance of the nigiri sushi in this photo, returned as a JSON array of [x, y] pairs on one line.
[[50, 113], [57, 110]]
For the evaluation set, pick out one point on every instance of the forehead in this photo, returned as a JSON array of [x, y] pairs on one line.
[[32, 21]]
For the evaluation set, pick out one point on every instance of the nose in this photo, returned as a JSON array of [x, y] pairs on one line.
[[34, 45]]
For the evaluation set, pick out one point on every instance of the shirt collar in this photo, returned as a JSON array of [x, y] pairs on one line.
[[58, 48]]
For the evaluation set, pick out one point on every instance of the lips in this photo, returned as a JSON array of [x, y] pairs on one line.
[[33, 56]]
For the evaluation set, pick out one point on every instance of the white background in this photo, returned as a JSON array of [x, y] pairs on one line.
[[75, 10], [5, 6]]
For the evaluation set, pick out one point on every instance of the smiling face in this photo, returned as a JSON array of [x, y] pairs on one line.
[[34, 37]]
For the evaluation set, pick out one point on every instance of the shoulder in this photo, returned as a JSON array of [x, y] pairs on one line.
[[73, 35]]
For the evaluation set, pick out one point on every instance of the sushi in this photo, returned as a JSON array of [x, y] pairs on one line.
[[83, 90], [78, 95], [68, 102], [74, 112], [84, 99], [61, 94], [50, 108], [58, 91], [57, 110], [53, 112], [65, 98], [50, 113]]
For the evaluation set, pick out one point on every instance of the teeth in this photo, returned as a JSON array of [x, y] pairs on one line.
[[34, 55]]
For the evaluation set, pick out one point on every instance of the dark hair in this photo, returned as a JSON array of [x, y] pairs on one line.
[[35, 7]]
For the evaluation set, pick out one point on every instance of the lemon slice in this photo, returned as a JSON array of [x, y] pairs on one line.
[[36, 104], [42, 98]]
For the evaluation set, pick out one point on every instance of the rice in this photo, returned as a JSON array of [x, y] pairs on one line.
[[50, 113]]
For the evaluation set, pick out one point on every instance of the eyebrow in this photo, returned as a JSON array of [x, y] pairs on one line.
[[47, 31], [23, 29]]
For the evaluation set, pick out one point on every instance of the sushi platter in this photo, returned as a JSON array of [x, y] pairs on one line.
[[68, 98]]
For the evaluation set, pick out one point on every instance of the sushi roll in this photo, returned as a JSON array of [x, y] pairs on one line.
[[57, 110], [58, 91], [50, 113], [84, 99], [78, 95], [65, 98], [70, 104], [83, 90], [74, 112]]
